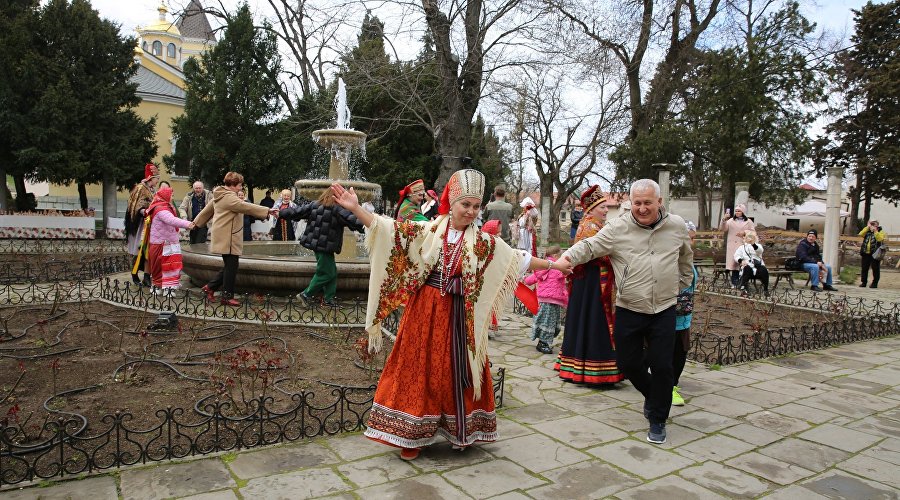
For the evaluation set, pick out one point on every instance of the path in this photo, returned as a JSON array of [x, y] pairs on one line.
[[823, 424]]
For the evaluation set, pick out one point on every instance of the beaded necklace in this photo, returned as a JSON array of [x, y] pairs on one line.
[[447, 265]]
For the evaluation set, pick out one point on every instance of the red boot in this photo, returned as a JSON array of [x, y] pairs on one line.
[[231, 302], [210, 293], [410, 453]]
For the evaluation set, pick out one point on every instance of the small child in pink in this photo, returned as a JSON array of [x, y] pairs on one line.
[[553, 296]]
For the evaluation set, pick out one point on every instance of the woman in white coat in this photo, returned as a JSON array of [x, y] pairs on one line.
[[749, 257]]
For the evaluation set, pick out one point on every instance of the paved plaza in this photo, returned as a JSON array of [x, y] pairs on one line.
[[822, 424]]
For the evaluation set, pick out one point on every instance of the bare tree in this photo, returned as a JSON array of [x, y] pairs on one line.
[[675, 25], [565, 138], [471, 40]]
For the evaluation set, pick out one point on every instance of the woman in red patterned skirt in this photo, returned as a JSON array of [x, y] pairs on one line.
[[588, 353], [450, 277]]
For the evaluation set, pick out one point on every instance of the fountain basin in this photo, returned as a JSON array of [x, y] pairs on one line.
[[269, 267]]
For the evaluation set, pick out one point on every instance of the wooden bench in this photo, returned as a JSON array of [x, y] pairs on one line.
[[776, 268]]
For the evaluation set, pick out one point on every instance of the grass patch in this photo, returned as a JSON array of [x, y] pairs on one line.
[[849, 274]]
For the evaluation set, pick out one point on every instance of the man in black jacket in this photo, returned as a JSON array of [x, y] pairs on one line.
[[810, 256], [324, 235]]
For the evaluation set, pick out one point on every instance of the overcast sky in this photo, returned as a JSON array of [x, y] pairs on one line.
[[834, 15]]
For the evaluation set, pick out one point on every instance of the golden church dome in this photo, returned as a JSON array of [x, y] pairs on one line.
[[163, 24]]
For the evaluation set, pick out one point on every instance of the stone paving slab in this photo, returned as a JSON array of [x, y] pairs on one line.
[[641, 458], [838, 485], [813, 456], [281, 459], [584, 480], [492, 478], [377, 470], [95, 488], [175, 480], [840, 437], [668, 488], [726, 481], [769, 468], [425, 486], [580, 432], [303, 484]]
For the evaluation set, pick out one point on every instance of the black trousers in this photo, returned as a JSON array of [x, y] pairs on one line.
[[198, 235], [762, 274], [225, 278], [633, 331], [735, 277], [867, 262]]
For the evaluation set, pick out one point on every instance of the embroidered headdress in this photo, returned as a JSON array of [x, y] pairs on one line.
[[414, 187], [150, 170], [592, 197], [527, 203], [466, 183]]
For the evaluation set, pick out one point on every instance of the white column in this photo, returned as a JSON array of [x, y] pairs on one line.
[[742, 194], [832, 237], [664, 186]]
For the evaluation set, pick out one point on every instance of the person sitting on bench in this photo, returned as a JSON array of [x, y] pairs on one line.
[[749, 258], [810, 256]]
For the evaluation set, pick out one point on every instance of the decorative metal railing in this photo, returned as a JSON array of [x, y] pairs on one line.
[[38, 270], [71, 444], [62, 246]]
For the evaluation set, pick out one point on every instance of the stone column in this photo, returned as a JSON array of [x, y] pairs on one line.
[[663, 180], [742, 194], [832, 237]]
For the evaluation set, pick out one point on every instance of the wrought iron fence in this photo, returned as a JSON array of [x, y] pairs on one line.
[[73, 445], [46, 271], [62, 246]]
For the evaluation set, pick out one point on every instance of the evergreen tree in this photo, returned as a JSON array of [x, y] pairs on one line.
[[397, 150], [231, 117], [864, 136], [75, 102]]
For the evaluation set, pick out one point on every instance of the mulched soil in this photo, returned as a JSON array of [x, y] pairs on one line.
[[718, 316], [46, 352]]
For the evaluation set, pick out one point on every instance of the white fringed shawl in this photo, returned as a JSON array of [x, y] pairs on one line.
[[402, 256]]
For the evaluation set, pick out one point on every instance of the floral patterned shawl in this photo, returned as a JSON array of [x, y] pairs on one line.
[[402, 255]]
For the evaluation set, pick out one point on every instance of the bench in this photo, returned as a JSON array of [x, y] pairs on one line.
[[776, 268]]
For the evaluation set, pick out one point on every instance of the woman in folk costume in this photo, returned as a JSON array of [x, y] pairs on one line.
[[164, 249], [450, 277], [527, 221], [588, 353], [735, 228], [410, 207], [284, 229], [140, 198]]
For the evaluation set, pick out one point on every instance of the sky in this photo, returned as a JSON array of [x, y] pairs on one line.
[[832, 15]]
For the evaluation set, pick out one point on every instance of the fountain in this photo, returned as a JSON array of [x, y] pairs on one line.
[[286, 267]]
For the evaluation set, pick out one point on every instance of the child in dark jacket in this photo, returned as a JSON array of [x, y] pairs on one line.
[[324, 235], [553, 296]]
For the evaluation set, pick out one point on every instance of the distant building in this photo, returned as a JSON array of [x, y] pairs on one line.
[[163, 47]]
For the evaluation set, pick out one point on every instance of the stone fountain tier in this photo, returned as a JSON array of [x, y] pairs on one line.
[[312, 188], [329, 137], [275, 268]]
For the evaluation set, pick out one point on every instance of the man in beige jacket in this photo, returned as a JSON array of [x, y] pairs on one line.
[[651, 256]]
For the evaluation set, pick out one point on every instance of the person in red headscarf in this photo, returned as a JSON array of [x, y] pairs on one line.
[[140, 198], [588, 353], [410, 207], [449, 277], [164, 248]]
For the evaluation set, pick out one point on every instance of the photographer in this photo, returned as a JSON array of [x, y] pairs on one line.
[[873, 239]]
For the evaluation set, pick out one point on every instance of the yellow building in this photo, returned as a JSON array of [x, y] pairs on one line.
[[163, 47]]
